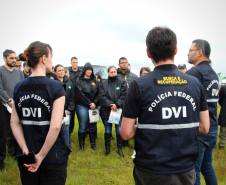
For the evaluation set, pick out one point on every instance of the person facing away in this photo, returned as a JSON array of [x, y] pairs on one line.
[[198, 55], [87, 90], [70, 97], [36, 120], [171, 110], [112, 96]]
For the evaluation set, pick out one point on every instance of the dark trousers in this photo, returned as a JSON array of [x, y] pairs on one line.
[[47, 174], [4, 127], [72, 122], [11, 143], [146, 178]]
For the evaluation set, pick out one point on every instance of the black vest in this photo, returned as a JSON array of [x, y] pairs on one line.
[[34, 99], [166, 137], [210, 83]]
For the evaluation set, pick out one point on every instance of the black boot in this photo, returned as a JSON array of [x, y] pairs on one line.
[[81, 138], [107, 143], [96, 134], [119, 145], [92, 137], [125, 143], [112, 137]]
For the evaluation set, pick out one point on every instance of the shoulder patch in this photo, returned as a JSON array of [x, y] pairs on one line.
[[172, 80]]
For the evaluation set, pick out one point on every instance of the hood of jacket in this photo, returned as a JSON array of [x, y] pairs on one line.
[[87, 66], [119, 71]]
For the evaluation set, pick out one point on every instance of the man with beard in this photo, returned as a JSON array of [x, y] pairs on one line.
[[9, 76], [198, 55]]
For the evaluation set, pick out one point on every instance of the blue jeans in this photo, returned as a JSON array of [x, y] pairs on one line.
[[83, 119], [108, 126], [66, 132], [204, 165]]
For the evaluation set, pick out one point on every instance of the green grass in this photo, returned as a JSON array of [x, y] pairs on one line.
[[93, 167]]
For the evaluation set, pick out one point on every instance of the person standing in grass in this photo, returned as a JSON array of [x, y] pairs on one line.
[[70, 97], [222, 117], [87, 90], [112, 96], [171, 109], [36, 120], [198, 55]]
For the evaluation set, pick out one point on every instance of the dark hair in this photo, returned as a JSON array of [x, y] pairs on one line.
[[210, 61], [161, 43], [129, 64], [74, 58], [109, 68], [22, 57], [145, 68], [65, 70], [7, 52], [36, 50], [58, 65], [204, 46], [122, 58]]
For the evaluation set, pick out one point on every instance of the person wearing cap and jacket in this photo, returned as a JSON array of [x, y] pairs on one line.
[[182, 68], [87, 90]]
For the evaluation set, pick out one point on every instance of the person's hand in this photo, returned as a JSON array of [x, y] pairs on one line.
[[25, 151], [68, 112], [113, 107], [10, 102], [92, 106], [34, 167]]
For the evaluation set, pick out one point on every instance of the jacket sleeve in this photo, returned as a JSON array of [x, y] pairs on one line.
[[221, 95], [103, 100], [79, 95], [121, 99], [96, 100], [71, 106]]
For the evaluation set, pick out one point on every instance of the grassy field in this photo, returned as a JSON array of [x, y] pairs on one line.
[[93, 167]]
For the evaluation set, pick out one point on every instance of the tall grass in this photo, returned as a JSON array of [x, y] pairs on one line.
[[93, 167]]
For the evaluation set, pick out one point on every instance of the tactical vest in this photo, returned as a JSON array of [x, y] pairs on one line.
[[34, 99], [166, 136], [210, 83]]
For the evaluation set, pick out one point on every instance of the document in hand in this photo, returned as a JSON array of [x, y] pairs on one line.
[[115, 116]]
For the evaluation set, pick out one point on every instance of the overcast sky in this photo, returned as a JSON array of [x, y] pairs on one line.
[[101, 32]]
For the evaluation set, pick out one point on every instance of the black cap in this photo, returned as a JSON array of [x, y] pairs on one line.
[[181, 66]]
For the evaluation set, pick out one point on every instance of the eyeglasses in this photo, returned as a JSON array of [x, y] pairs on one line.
[[123, 62], [193, 50]]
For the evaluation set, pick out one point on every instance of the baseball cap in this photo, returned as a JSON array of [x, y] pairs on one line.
[[181, 66]]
